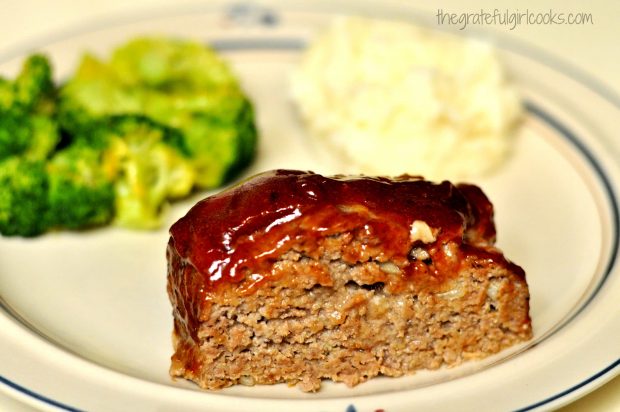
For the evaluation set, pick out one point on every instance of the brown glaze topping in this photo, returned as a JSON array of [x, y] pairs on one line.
[[236, 235]]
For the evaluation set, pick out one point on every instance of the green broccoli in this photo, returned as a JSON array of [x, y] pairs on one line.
[[34, 86], [32, 90], [7, 94], [95, 90], [27, 124], [218, 127], [170, 65], [23, 199], [15, 134], [180, 84], [73, 122], [81, 188], [231, 143], [150, 167], [73, 190], [121, 138], [29, 135]]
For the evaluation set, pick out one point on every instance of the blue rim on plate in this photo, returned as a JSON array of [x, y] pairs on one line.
[[37, 396], [295, 44]]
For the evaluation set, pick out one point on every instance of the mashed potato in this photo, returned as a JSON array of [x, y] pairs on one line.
[[395, 98]]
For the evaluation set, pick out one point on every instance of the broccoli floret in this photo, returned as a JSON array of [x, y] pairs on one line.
[[33, 89], [85, 101], [6, 94], [121, 138], [173, 65], [232, 138], [149, 165], [23, 198], [127, 125], [27, 125], [218, 127], [29, 135], [15, 134], [74, 122], [81, 188], [181, 84], [96, 90]]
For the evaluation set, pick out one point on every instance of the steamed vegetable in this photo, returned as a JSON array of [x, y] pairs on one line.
[[27, 135], [150, 165], [27, 126], [81, 188], [32, 90], [179, 84], [120, 139], [23, 197]]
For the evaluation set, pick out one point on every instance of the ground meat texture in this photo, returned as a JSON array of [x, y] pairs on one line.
[[294, 277]]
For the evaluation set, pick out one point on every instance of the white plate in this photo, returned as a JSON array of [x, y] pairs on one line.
[[85, 322]]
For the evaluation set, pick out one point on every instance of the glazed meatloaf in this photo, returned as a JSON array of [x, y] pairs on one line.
[[295, 277]]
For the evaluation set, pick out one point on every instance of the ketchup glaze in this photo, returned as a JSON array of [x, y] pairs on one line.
[[245, 227]]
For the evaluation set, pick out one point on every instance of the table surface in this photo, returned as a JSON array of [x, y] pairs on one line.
[[593, 48]]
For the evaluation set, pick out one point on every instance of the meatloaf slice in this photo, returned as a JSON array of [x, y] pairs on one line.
[[295, 277]]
